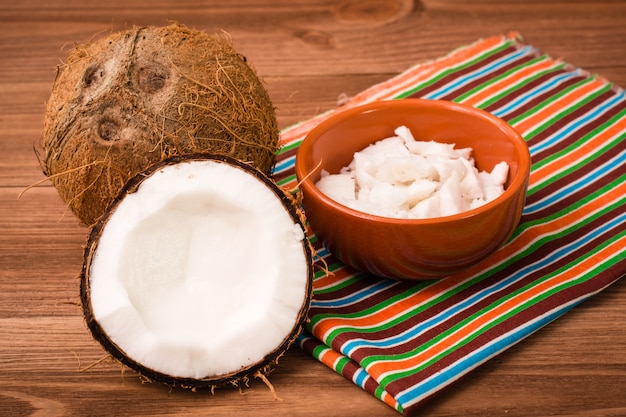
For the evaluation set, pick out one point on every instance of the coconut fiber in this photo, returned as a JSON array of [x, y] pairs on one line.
[[133, 98]]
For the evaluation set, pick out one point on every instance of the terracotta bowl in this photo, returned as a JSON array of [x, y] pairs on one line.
[[418, 248]]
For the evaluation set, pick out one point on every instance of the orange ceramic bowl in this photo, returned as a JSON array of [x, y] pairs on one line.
[[413, 249]]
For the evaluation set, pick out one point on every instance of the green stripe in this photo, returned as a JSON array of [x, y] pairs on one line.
[[515, 311], [287, 180], [337, 287], [618, 182], [566, 111], [288, 147], [543, 238], [341, 363], [520, 85], [317, 318], [367, 361], [493, 80], [319, 350], [578, 166], [452, 70], [319, 274], [587, 137], [379, 392], [392, 300], [549, 101], [546, 238]]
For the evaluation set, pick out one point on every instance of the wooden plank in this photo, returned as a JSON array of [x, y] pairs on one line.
[[308, 52]]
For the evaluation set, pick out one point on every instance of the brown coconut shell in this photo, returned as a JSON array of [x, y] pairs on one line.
[[242, 376], [128, 100]]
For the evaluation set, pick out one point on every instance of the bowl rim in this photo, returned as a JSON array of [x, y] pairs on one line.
[[520, 181]]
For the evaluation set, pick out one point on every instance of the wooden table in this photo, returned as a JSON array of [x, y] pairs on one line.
[[309, 53]]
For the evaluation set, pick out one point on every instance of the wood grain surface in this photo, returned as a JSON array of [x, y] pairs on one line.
[[309, 53]]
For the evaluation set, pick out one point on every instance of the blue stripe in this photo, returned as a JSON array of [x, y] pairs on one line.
[[360, 376], [581, 182], [478, 357], [581, 121], [284, 165], [478, 73], [303, 337], [531, 94], [349, 347], [322, 252], [355, 297]]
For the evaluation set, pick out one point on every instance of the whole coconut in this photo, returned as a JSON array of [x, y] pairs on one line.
[[133, 98]]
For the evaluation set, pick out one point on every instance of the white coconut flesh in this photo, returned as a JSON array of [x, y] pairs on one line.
[[401, 177], [201, 272]]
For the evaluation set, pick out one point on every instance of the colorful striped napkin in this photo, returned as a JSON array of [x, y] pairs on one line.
[[404, 342]]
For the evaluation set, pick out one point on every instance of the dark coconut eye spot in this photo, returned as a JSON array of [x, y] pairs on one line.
[[93, 75], [108, 129], [152, 79]]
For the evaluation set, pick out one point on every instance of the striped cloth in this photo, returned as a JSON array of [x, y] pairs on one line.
[[404, 342]]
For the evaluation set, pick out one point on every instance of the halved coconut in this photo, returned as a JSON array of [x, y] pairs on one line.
[[199, 273]]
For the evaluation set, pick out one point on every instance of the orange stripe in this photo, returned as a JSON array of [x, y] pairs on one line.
[[393, 86], [379, 368], [528, 235], [295, 133], [326, 325], [329, 358], [588, 148], [332, 278], [504, 83], [396, 85], [557, 106], [389, 400]]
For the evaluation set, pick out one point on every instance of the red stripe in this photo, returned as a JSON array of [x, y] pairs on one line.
[[464, 71], [582, 290], [450, 321]]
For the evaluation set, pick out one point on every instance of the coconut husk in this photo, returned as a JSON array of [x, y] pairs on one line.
[[241, 376], [130, 99]]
